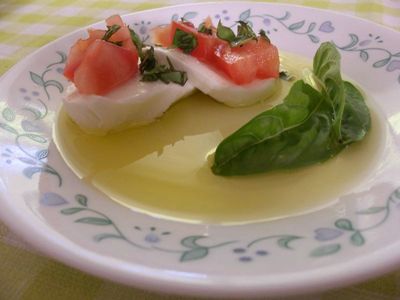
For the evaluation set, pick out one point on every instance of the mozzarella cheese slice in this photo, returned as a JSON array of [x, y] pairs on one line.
[[133, 104], [216, 85]]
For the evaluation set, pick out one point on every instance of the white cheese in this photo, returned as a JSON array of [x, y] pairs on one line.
[[216, 85], [132, 104]]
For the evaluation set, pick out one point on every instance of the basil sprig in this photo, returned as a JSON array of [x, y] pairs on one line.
[[184, 40], [310, 126], [244, 34], [152, 71]]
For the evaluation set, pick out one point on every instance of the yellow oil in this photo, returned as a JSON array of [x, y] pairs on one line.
[[163, 169]]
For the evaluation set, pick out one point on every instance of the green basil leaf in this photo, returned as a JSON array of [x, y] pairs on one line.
[[296, 133], [153, 71], [137, 42], [356, 120], [204, 29], [225, 33], [110, 31], [184, 40], [326, 67]]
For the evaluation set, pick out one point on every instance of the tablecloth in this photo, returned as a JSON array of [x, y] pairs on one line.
[[26, 25]]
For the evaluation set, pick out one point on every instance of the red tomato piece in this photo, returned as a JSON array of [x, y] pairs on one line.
[[161, 35], [267, 57], [104, 67], [205, 43], [78, 50], [123, 34], [244, 64]]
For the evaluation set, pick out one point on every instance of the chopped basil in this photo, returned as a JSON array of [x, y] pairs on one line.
[[263, 34], [244, 34], [152, 71], [147, 61], [184, 40], [110, 31], [204, 29], [225, 33], [137, 42]]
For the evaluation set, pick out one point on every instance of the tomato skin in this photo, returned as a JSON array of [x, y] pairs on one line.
[[104, 67]]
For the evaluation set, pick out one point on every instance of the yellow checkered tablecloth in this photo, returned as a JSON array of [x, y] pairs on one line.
[[26, 25]]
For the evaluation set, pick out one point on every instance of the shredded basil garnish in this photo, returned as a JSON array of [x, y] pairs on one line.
[[152, 71], [204, 29], [148, 61], [137, 42], [110, 31], [263, 34], [184, 40], [244, 34], [225, 33]]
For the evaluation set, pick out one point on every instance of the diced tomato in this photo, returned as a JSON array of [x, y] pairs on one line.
[[122, 35], [78, 50], [267, 57], [239, 63], [161, 35], [97, 66], [104, 67], [253, 60]]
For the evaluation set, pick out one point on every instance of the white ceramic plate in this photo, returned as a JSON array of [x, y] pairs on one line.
[[352, 240]]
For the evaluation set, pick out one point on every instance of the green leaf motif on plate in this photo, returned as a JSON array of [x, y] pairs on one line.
[[344, 224], [357, 239], [8, 114], [37, 79], [296, 25], [103, 236], [71, 210], [36, 138], [82, 199], [285, 241], [55, 84], [325, 250], [194, 254], [94, 221], [191, 241], [8, 128]]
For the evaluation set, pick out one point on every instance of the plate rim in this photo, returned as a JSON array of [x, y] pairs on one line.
[[46, 244]]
